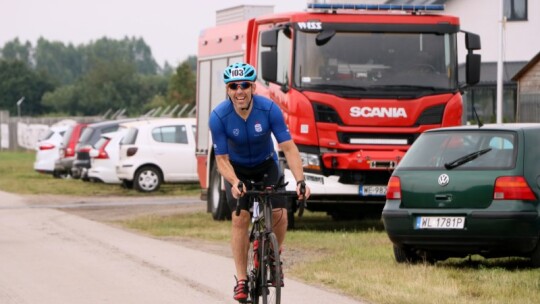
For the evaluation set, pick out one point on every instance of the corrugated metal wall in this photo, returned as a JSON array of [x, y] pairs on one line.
[[529, 108]]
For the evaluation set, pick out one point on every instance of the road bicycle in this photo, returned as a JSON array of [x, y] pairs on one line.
[[264, 264]]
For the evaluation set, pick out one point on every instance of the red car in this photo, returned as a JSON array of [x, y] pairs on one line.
[[62, 167]]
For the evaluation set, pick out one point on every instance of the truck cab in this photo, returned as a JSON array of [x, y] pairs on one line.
[[356, 87]]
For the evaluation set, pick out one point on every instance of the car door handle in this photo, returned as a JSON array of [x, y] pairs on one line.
[[443, 197]]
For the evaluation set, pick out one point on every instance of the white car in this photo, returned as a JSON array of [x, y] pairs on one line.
[[47, 150], [158, 151], [104, 157]]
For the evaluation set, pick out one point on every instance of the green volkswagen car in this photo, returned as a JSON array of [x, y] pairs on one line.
[[467, 190]]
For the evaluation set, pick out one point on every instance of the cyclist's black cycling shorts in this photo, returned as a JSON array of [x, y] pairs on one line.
[[256, 174]]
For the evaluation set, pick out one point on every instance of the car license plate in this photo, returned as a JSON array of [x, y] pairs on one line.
[[440, 222], [373, 190]]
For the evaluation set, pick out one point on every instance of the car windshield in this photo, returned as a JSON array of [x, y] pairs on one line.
[[367, 63], [86, 135], [130, 137], [99, 144], [47, 135], [455, 150]]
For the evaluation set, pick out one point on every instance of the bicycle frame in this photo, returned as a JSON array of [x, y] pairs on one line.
[[264, 263]]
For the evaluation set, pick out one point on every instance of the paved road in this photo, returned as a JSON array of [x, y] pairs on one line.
[[52, 257]]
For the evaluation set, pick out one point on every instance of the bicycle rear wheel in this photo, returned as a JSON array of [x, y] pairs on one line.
[[270, 271]]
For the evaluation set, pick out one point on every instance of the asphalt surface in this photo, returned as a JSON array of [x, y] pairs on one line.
[[48, 256]]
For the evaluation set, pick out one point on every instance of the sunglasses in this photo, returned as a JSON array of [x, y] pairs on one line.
[[244, 85]]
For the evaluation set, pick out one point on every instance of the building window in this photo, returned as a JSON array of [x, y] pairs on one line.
[[515, 10]]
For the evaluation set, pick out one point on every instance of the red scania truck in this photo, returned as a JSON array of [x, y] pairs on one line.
[[357, 85]]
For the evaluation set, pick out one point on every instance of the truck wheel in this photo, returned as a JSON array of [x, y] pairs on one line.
[[291, 210], [147, 179], [217, 199]]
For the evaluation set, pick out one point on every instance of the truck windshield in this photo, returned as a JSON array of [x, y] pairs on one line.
[[371, 62]]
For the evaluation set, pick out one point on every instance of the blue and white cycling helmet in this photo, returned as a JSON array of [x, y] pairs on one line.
[[239, 72]]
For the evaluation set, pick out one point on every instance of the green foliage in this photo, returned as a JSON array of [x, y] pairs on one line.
[[91, 79], [133, 51], [15, 51], [18, 80], [182, 85], [192, 61], [62, 63]]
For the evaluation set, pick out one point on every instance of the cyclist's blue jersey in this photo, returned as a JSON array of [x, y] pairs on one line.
[[248, 142]]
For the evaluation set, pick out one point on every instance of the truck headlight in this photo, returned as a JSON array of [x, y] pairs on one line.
[[310, 161]]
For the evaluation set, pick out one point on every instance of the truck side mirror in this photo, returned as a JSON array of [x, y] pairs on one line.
[[269, 58], [269, 38], [472, 41], [472, 69], [269, 65], [473, 61]]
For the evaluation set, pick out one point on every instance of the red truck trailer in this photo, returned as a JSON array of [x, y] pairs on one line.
[[357, 85]]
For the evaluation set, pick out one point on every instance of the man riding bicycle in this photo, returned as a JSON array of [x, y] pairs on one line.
[[241, 128]]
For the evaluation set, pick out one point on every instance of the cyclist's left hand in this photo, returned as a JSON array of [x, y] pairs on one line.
[[307, 191]]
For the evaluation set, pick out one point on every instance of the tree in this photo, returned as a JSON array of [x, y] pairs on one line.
[[15, 51], [182, 85], [62, 63], [18, 80], [192, 61], [63, 100], [90, 78], [134, 51]]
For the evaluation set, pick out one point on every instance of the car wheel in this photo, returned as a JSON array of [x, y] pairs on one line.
[[217, 199], [75, 173], [535, 256], [147, 179], [60, 174], [403, 255]]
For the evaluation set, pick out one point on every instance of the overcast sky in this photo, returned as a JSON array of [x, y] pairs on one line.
[[169, 27]]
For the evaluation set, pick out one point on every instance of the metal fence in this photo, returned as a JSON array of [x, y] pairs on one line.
[[20, 133]]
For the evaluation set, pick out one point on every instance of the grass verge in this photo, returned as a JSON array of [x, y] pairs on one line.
[[18, 176]]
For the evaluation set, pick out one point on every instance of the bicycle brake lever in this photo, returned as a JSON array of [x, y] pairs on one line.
[[302, 204]]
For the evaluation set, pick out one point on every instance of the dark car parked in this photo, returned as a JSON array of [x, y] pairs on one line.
[[88, 138], [62, 166], [467, 190]]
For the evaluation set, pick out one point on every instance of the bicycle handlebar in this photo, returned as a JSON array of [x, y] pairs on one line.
[[270, 191]]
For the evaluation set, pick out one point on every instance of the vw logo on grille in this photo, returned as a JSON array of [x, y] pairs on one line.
[[443, 179]]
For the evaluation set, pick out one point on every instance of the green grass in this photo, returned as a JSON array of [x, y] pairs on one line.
[[18, 176], [353, 257]]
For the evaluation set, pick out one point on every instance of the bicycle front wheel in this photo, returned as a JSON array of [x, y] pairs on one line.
[[271, 280]]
